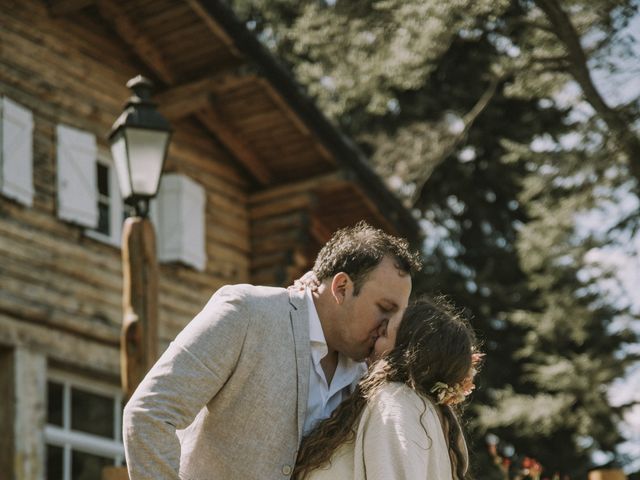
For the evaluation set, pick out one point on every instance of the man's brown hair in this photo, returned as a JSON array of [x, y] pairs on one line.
[[357, 250]]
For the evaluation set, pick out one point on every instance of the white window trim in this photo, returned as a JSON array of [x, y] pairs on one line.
[[67, 439], [116, 210]]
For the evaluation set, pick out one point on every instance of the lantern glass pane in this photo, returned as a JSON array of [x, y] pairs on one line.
[[120, 160], [146, 155]]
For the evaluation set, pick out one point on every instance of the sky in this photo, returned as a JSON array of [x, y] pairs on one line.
[[620, 88]]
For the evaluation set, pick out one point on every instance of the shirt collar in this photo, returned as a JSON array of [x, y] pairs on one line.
[[316, 335]]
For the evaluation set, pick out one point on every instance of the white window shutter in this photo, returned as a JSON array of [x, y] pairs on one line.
[[180, 215], [77, 190], [16, 155]]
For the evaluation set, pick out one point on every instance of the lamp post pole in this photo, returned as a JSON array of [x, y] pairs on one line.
[[139, 334], [139, 140]]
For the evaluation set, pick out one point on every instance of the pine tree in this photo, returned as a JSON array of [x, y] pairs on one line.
[[447, 99]]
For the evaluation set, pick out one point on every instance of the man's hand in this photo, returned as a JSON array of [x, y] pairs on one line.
[[308, 280]]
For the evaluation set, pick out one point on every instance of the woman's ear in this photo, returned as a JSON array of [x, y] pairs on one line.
[[341, 286]]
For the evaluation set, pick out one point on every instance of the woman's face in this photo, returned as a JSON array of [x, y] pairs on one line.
[[386, 337]]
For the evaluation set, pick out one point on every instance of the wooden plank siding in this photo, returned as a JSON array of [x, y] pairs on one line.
[[278, 179], [53, 278]]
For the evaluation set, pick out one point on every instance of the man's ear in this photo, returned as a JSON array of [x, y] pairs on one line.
[[341, 286]]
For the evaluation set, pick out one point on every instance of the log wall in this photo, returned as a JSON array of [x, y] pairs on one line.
[[60, 290]]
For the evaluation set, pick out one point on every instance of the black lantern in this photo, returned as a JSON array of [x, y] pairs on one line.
[[139, 141]]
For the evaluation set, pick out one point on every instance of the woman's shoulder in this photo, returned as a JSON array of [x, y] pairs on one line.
[[398, 392], [395, 398]]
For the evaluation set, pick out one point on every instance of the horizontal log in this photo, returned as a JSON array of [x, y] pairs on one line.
[[281, 257], [17, 85], [279, 206], [297, 220], [67, 7], [273, 246], [52, 235], [64, 347], [217, 251], [75, 282], [51, 44], [232, 205], [229, 238], [34, 304], [221, 221], [300, 187], [97, 113]]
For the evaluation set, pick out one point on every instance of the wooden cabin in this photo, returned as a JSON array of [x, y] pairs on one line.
[[255, 182]]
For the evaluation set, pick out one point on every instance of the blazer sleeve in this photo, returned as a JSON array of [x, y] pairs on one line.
[[185, 378], [399, 438]]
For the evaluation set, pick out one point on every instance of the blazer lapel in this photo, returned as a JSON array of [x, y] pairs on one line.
[[300, 325]]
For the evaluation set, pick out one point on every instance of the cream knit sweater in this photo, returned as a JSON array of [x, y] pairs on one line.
[[399, 437]]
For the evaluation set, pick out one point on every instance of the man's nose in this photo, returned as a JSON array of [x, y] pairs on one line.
[[382, 329]]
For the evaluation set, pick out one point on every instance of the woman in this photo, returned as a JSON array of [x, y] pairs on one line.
[[400, 422]]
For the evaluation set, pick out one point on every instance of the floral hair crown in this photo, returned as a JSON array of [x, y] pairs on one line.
[[454, 394]]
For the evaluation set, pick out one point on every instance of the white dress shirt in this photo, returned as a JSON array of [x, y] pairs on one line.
[[323, 398]]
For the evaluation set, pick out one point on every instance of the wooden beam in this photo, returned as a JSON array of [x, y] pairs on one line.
[[212, 120], [187, 98], [59, 8], [366, 199], [136, 39], [328, 180], [319, 231], [216, 29], [282, 104]]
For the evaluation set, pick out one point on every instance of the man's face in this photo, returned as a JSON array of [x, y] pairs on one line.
[[387, 334], [382, 298]]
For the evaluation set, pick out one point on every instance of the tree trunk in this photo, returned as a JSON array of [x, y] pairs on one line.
[[620, 129]]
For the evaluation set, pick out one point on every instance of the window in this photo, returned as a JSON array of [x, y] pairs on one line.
[[179, 214], [76, 156], [16, 151], [109, 202], [83, 430], [104, 199]]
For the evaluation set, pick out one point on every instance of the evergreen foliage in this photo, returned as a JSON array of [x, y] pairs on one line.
[[484, 117]]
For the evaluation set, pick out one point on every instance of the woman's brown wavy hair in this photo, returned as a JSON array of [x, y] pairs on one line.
[[433, 344]]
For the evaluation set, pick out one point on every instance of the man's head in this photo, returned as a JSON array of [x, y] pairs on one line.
[[366, 275], [357, 250]]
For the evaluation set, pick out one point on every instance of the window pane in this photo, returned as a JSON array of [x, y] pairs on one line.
[[54, 463], [54, 403], [92, 413], [103, 218], [103, 180], [86, 466]]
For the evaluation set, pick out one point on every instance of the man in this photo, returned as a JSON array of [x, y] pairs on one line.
[[234, 392]]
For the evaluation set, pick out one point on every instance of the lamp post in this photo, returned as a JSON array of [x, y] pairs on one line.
[[139, 141]]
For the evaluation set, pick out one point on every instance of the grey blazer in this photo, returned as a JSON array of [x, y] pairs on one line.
[[228, 398]]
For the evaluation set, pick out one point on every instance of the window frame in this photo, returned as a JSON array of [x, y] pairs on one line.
[[72, 440], [116, 205]]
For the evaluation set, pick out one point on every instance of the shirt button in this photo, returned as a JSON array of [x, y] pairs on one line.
[[286, 470]]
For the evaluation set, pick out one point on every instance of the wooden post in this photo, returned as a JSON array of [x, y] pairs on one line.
[[139, 335], [114, 473], [607, 474]]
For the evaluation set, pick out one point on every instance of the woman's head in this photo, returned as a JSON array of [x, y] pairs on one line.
[[433, 345]]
